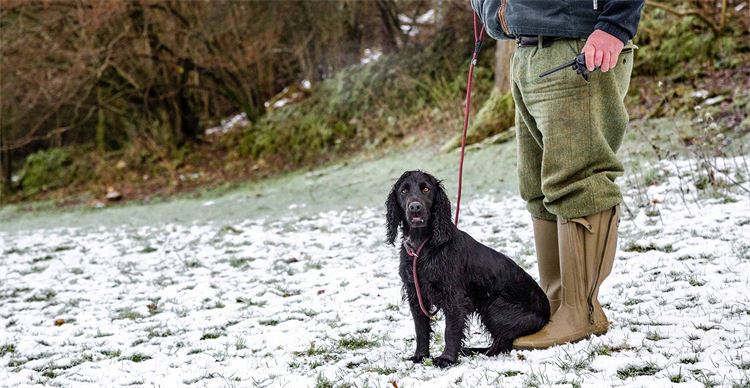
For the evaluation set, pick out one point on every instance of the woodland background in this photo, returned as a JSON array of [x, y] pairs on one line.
[[102, 100]]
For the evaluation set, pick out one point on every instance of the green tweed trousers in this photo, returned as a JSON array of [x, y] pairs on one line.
[[568, 131]]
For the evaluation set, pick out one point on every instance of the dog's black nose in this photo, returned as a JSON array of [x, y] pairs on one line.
[[415, 207]]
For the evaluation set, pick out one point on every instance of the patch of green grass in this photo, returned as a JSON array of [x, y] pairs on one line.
[[647, 369], [229, 229], [49, 373], [211, 335], [385, 371], [127, 313], [14, 251], [632, 301], [312, 350], [602, 350], [269, 322], [689, 360], [137, 357], [36, 269], [157, 332], [111, 353], [15, 362], [7, 348], [307, 312], [510, 373], [100, 334], [695, 282], [654, 336], [574, 362], [238, 262], [148, 249], [42, 258], [706, 327], [217, 305], [313, 265], [44, 296], [322, 382], [633, 246], [352, 343], [138, 342], [654, 177], [678, 378], [285, 293], [195, 351]]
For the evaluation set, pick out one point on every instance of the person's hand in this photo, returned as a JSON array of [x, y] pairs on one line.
[[602, 50]]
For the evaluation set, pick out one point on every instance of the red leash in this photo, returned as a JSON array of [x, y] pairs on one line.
[[409, 251], [477, 47], [415, 255]]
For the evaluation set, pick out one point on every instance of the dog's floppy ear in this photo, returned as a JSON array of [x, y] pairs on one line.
[[394, 214], [442, 229]]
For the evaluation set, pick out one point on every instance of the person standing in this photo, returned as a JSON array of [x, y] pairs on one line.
[[568, 132]]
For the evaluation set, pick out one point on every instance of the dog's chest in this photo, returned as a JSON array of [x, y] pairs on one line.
[[433, 280]]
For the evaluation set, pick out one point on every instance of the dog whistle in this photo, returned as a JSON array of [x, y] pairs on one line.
[[578, 64]]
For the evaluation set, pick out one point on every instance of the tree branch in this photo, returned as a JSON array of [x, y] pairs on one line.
[[690, 12]]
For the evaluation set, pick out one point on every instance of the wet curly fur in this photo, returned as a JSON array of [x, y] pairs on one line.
[[457, 274]]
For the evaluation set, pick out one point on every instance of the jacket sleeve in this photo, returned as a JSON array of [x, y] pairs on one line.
[[487, 12], [620, 18]]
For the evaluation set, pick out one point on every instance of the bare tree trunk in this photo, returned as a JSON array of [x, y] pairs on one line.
[[389, 24], [439, 9], [101, 125], [5, 165], [503, 53]]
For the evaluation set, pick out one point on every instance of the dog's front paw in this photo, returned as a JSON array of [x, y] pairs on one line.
[[443, 362], [418, 358]]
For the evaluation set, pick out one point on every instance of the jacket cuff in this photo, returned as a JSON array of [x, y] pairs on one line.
[[614, 30], [487, 12]]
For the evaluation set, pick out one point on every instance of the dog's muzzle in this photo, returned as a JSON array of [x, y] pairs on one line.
[[415, 214]]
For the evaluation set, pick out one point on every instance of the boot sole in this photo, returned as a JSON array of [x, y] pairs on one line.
[[545, 346], [597, 332]]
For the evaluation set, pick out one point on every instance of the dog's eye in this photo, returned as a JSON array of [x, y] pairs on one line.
[[426, 190], [404, 191]]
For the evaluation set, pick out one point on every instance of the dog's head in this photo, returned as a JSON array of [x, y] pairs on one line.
[[418, 200]]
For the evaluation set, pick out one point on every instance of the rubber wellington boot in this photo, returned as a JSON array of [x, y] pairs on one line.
[[602, 269], [587, 251], [548, 260]]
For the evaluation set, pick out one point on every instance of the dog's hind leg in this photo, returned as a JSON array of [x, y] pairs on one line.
[[506, 322]]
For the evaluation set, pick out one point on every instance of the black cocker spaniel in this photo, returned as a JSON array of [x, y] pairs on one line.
[[457, 274]]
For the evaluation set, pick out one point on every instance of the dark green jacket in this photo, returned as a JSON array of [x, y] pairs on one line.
[[505, 19]]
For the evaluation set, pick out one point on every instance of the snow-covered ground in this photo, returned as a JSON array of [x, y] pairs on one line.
[[315, 301]]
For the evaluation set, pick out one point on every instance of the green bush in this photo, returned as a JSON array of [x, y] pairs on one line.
[[670, 44], [46, 170], [370, 104], [496, 115]]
